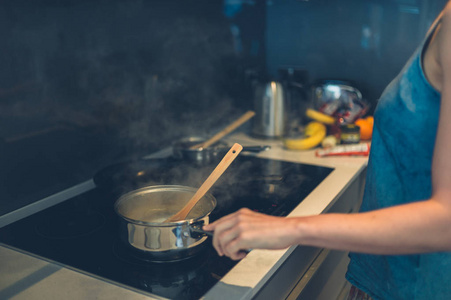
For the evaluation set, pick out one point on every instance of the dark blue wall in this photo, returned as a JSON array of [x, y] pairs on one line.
[[364, 41]]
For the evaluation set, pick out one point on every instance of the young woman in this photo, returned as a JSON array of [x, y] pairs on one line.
[[399, 242]]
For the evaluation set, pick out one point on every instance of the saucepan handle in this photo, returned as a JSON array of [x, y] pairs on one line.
[[256, 148], [201, 231], [196, 228]]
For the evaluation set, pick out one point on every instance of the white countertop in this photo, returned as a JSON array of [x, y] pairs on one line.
[[24, 276]]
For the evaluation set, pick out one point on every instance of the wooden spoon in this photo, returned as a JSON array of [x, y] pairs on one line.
[[238, 122], [217, 172]]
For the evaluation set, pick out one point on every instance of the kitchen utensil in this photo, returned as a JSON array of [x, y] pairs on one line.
[[141, 226], [338, 99], [241, 120], [182, 150], [270, 111], [217, 172]]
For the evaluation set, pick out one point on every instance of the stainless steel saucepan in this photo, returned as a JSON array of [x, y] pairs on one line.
[[182, 149], [143, 211]]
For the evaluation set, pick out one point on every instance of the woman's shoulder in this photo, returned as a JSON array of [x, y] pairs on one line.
[[437, 56], [444, 36]]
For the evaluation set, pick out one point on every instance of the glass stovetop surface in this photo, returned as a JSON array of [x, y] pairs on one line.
[[82, 232]]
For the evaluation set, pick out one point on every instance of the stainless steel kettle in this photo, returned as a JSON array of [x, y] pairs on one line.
[[270, 110]]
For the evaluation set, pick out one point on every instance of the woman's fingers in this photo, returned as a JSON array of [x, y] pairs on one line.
[[246, 229], [228, 232], [236, 249], [220, 226], [231, 239], [236, 252]]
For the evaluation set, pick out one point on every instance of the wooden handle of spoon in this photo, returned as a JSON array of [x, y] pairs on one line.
[[237, 123], [208, 183]]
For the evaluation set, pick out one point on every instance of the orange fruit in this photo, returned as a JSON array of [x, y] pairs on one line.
[[366, 128]]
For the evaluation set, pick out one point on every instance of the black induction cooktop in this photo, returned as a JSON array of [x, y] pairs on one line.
[[82, 232]]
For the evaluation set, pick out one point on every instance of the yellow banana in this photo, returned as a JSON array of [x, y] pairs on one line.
[[314, 134], [319, 116]]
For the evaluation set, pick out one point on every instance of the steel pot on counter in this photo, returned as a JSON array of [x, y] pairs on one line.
[[339, 99], [181, 149], [142, 214]]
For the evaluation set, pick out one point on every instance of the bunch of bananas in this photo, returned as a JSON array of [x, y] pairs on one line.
[[314, 132], [319, 116]]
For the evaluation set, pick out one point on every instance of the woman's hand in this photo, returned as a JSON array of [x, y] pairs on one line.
[[246, 229]]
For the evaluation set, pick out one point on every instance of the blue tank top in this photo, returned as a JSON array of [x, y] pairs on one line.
[[399, 171]]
